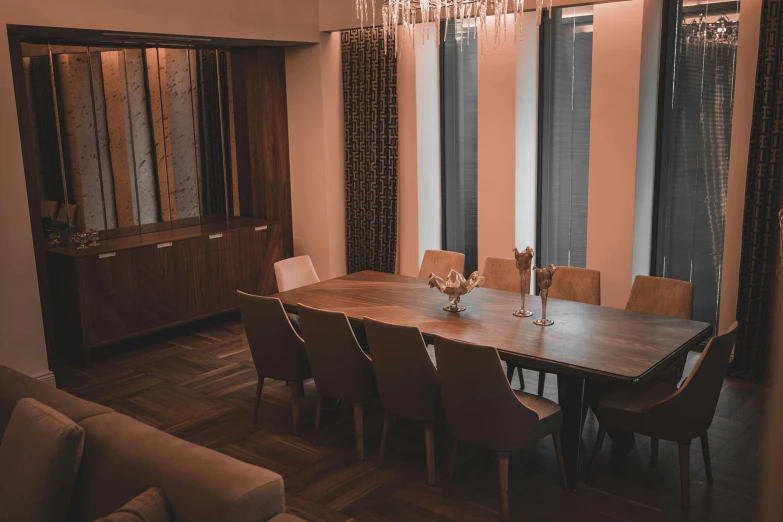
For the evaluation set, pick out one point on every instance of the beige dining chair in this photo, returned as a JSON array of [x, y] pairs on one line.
[[580, 285], [277, 350], [295, 272], [662, 411], [668, 297], [482, 409], [502, 274], [440, 263], [340, 367], [407, 382]]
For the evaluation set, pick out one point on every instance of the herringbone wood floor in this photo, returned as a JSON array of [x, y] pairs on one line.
[[199, 383]]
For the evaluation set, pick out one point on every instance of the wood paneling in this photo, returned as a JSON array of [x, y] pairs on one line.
[[109, 296], [261, 126]]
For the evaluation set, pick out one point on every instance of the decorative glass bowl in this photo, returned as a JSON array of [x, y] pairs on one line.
[[455, 286]]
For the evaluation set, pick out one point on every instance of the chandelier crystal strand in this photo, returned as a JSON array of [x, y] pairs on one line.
[[469, 18]]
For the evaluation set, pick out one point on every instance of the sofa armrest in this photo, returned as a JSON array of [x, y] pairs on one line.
[[123, 457]]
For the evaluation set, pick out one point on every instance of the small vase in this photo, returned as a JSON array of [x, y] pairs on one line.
[[523, 285], [544, 321]]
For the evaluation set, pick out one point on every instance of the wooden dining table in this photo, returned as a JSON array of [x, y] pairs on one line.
[[585, 343]]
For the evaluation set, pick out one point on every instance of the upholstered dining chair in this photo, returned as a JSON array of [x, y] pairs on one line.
[[341, 369], [407, 382], [277, 350], [482, 409], [581, 285], [502, 274], [440, 262], [662, 411], [295, 272], [661, 296]]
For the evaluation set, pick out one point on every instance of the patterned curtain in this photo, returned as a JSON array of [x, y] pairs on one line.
[[757, 284], [370, 103]]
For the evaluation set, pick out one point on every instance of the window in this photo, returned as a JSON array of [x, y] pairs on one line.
[[459, 121], [564, 127], [699, 50]]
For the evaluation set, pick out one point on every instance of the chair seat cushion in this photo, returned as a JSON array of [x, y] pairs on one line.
[[150, 506], [285, 517], [626, 407], [550, 416], [39, 459]]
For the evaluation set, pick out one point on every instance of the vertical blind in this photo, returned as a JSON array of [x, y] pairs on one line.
[[693, 157], [566, 76], [459, 120]]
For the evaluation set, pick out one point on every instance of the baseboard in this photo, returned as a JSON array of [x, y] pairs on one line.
[[47, 378]]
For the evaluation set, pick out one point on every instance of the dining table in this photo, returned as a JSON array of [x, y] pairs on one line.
[[599, 344]]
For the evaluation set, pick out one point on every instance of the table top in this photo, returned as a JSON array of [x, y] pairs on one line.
[[595, 342]]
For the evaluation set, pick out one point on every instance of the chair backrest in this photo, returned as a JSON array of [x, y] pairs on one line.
[[481, 408], [502, 274], [407, 379], [340, 367], [295, 272], [581, 285], [688, 413], [440, 262], [661, 296], [278, 351]]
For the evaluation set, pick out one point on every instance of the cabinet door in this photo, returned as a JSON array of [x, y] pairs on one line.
[[107, 296], [248, 259], [159, 286], [274, 251], [208, 275]]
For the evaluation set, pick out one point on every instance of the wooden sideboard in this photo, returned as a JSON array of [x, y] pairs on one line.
[[131, 286]]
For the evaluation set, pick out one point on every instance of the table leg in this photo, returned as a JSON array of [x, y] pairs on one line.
[[570, 392]]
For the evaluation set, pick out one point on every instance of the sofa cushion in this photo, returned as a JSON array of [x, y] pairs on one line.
[[39, 459], [123, 457], [150, 506], [15, 386]]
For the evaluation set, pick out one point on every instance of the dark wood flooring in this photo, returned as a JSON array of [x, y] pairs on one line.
[[199, 384]]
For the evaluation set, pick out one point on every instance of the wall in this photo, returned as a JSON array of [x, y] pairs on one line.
[[614, 120], [316, 148], [419, 197], [21, 328], [742, 120], [497, 94]]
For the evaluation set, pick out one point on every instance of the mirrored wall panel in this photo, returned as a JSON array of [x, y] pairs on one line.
[[119, 134]]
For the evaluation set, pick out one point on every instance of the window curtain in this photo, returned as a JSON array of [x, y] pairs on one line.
[[370, 104], [757, 284]]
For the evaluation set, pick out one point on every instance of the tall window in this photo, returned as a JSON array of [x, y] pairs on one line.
[[699, 51], [566, 77], [459, 115]]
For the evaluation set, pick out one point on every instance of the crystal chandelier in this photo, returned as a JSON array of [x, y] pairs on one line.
[[469, 14]]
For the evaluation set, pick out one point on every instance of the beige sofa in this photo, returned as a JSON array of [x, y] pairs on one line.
[[123, 457]]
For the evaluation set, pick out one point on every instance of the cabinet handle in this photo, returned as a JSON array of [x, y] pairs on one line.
[[104, 256], [259, 229], [215, 236], [164, 245]]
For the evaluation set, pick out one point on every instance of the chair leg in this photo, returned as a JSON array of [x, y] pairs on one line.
[[503, 473], [358, 428], [259, 389], [294, 387], [318, 408], [384, 433], [452, 467], [599, 442], [653, 450], [560, 461], [429, 446], [705, 451], [521, 378], [685, 473], [541, 381]]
